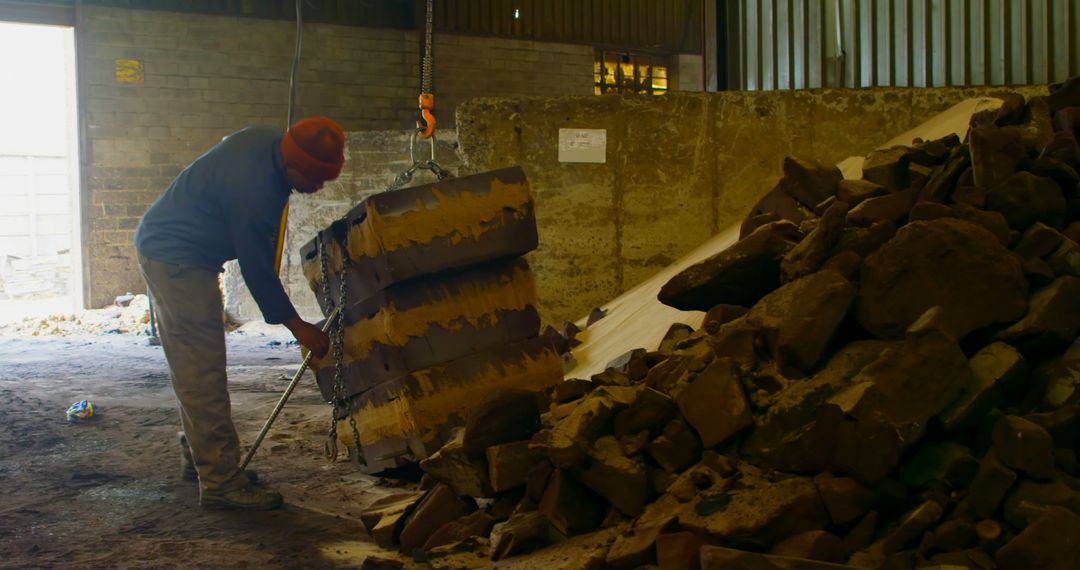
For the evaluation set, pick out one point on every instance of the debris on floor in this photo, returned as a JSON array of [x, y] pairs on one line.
[[130, 316], [887, 377]]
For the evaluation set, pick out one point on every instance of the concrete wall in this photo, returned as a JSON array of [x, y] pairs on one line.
[[207, 76], [679, 168]]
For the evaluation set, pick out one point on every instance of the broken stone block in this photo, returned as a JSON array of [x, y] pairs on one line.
[[509, 464], [813, 545], [909, 530], [996, 370], [846, 263], [1038, 272], [610, 377], [1053, 541], [989, 487], [1028, 499], [523, 533], [1065, 260], [809, 182], [571, 437], [1024, 199], [634, 444], [537, 479], [892, 207], [1061, 378], [845, 498], [381, 518], [1057, 170], [967, 193], [651, 411], [569, 506], [865, 241], [675, 334], [478, 523], [940, 183], [502, 417], [811, 252], [1024, 446], [939, 461], [622, 481], [380, 563], [774, 207], [953, 535], [854, 192], [1011, 110], [1037, 124], [438, 507], [1073, 232], [784, 435], [713, 403], [637, 547], [721, 315], [996, 153], [992, 221], [796, 322], [571, 389], [862, 535], [1063, 424], [453, 465], [953, 264], [1052, 320], [740, 275], [679, 550], [676, 448], [720, 558], [632, 364], [988, 530], [669, 372], [1039, 240], [888, 167], [760, 514]]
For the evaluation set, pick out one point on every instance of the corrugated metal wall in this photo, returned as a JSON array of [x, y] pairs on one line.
[[796, 44], [671, 26]]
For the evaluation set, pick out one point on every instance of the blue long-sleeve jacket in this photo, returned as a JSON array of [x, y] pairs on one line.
[[226, 205]]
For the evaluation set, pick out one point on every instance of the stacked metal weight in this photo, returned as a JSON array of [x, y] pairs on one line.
[[440, 311]]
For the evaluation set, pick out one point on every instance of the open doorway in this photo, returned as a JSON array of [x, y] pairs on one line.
[[40, 250]]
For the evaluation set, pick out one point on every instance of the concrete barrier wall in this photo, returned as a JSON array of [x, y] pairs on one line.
[[679, 168]]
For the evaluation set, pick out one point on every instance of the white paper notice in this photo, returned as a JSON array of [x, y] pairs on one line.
[[583, 145]]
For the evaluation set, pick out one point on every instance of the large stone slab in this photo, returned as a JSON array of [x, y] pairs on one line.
[[740, 275], [411, 326], [423, 230], [795, 323], [413, 415], [948, 263]]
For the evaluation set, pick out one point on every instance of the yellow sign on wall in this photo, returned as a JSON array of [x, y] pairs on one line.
[[129, 71]]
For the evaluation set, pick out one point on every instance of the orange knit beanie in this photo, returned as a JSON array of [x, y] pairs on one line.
[[315, 146]]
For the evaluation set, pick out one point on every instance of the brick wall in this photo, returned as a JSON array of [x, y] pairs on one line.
[[208, 76]]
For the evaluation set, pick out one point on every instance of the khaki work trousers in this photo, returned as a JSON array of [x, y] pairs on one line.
[[187, 303]]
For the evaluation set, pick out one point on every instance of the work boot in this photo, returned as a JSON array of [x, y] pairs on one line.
[[250, 497], [187, 463]]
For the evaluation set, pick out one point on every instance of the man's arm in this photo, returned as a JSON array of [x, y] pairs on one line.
[[254, 232]]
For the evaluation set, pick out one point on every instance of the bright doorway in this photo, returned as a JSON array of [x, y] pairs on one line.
[[40, 249]]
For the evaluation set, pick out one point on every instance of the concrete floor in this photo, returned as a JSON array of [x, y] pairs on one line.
[[107, 493]]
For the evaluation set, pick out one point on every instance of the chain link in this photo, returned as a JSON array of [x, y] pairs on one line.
[[337, 343]]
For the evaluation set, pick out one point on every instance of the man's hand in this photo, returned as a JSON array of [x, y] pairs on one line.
[[309, 335]]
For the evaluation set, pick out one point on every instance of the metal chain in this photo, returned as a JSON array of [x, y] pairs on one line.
[[405, 176], [427, 62], [337, 343]]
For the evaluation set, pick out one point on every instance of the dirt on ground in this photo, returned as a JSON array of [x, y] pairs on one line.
[[107, 493]]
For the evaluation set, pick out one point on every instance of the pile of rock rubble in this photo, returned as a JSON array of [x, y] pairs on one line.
[[887, 377]]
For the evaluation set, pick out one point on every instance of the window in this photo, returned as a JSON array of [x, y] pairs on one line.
[[627, 72]]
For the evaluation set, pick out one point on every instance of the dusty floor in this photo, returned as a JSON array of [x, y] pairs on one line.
[[107, 493]]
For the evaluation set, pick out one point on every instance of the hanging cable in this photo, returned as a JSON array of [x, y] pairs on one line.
[[296, 62], [426, 127], [279, 252]]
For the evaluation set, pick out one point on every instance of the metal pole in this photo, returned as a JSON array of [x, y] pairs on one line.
[[285, 396]]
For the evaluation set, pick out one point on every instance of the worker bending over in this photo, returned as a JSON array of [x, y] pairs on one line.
[[227, 205]]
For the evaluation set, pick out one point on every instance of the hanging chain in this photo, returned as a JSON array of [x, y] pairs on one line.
[[337, 344], [427, 62]]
